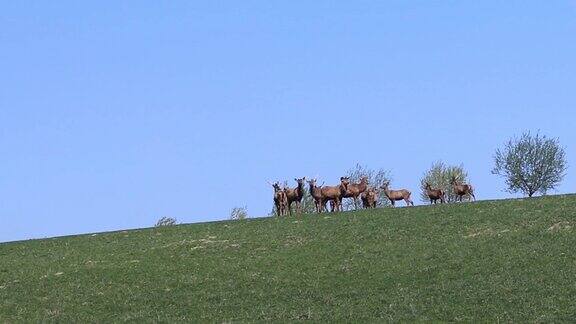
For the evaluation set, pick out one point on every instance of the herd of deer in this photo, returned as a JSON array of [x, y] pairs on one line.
[[284, 198]]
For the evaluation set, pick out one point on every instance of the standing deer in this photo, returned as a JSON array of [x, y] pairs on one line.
[[334, 195], [295, 195], [370, 198], [395, 195], [462, 190], [280, 200], [354, 190], [316, 193], [434, 194]]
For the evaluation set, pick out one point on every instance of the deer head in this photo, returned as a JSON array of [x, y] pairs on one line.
[[300, 181], [385, 185]]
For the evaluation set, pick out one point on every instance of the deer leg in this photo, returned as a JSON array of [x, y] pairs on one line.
[[472, 194]]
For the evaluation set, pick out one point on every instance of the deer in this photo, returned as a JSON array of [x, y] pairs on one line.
[[395, 195], [370, 198], [434, 194], [295, 195], [354, 190], [462, 190], [316, 193], [334, 195], [280, 200]]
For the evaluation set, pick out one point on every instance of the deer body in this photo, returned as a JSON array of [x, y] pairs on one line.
[[396, 195], [280, 200], [369, 198], [295, 195], [333, 194], [354, 190], [434, 194], [316, 193], [462, 190]]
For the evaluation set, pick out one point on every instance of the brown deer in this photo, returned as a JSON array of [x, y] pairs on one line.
[[462, 190], [434, 194], [316, 193], [280, 200], [295, 195], [395, 195], [370, 198], [354, 190], [334, 195]]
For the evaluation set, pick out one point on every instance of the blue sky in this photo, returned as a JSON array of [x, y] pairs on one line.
[[114, 114]]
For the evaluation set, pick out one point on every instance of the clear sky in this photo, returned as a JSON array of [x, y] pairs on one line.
[[116, 113]]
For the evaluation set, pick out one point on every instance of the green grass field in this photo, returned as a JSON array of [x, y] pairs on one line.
[[511, 260]]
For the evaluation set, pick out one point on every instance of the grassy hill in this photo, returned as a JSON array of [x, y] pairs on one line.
[[509, 260]]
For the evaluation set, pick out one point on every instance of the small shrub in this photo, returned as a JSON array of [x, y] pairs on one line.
[[166, 221], [238, 213]]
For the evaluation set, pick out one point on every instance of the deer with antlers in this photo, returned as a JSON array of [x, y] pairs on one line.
[[280, 200], [370, 198], [462, 189], [334, 195], [354, 190], [434, 194], [395, 195], [295, 195]]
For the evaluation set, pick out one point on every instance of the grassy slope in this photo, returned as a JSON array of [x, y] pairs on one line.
[[488, 260]]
